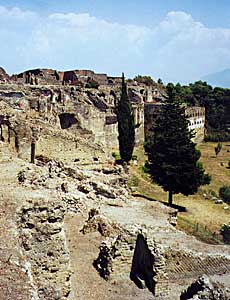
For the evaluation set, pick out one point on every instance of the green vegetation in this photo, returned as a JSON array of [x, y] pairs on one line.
[[173, 158], [200, 207], [92, 84], [217, 137], [144, 79], [198, 230], [218, 148], [134, 181], [159, 81], [217, 105], [224, 193], [134, 157], [126, 126], [225, 232], [116, 155]]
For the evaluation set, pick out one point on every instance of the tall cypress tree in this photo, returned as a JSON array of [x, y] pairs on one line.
[[126, 126], [173, 158]]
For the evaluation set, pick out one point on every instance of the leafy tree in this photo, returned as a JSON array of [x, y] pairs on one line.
[[144, 79], [173, 158], [218, 148], [126, 126], [159, 81]]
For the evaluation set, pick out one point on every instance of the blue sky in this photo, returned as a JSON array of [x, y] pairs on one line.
[[177, 40]]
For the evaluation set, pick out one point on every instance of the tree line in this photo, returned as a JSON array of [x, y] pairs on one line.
[[217, 107]]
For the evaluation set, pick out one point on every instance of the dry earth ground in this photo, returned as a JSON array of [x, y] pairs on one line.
[[199, 210]]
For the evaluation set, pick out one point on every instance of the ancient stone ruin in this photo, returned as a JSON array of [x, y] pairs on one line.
[[85, 100], [70, 227]]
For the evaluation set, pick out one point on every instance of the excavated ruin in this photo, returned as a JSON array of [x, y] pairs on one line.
[[70, 228]]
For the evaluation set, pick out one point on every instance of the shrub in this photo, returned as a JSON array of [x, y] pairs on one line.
[[145, 168], [225, 232], [218, 148], [92, 84], [224, 193], [217, 137], [116, 155], [144, 79]]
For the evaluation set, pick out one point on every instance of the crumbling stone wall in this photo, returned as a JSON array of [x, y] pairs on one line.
[[187, 264], [203, 288], [38, 76], [40, 224], [132, 253], [67, 93], [15, 133]]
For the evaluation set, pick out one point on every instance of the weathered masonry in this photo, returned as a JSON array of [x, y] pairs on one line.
[[195, 116], [83, 102]]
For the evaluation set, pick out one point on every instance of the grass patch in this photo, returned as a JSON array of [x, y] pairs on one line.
[[133, 181], [199, 231], [205, 212]]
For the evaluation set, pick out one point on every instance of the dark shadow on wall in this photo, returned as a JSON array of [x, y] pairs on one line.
[[142, 271], [67, 120]]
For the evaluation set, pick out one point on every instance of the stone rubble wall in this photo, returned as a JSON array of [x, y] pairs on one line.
[[91, 108], [14, 281], [132, 254], [187, 264], [205, 289], [57, 189], [42, 236]]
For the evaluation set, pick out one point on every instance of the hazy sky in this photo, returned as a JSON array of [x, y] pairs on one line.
[[176, 40]]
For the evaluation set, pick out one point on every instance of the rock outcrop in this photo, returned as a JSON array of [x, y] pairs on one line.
[[203, 288], [4, 77]]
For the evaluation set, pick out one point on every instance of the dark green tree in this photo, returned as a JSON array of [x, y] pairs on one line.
[[126, 126], [144, 79], [159, 81], [173, 158]]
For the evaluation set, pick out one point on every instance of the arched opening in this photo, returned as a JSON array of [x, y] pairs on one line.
[[67, 120]]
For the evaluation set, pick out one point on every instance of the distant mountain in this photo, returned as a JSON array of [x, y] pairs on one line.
[[221, 79]]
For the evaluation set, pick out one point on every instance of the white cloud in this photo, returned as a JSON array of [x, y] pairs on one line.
[[16, 13], [187, 49], [178, 49]]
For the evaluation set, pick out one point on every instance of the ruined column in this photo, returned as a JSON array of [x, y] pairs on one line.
[[1, 134], [16, 142], [32, 152], [35, 132], [9, 134], [29, 78], [59, 99]]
